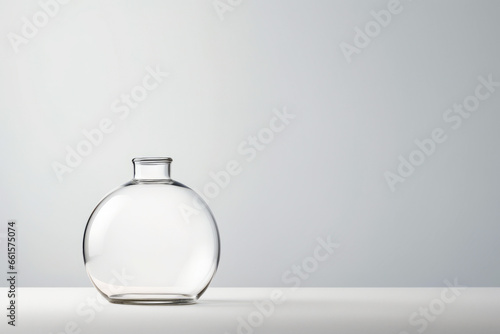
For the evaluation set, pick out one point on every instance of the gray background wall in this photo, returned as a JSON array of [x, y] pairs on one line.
[[322, 175]]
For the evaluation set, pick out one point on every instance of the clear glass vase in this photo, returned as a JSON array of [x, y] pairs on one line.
[[152, 240]]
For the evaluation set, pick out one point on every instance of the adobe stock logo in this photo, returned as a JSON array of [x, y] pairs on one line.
[[88, 310], [372, 29], [455, 116], [249, 148], [122, 107], [296, 275], [223, 6], [31, 27], [421, 319]]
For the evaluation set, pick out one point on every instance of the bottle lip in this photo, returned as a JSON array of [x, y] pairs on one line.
[[152, 160]]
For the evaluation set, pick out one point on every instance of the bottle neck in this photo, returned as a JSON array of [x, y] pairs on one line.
[[152, 169]]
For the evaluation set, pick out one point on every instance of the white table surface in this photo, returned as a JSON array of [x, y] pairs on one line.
[[222, 310]]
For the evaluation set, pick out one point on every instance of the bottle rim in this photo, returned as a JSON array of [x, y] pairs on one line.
[[152, 160]]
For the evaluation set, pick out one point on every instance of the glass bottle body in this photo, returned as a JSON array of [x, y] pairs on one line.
[[153, 240]]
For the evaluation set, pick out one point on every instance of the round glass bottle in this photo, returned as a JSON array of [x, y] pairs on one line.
[[152, 240]]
